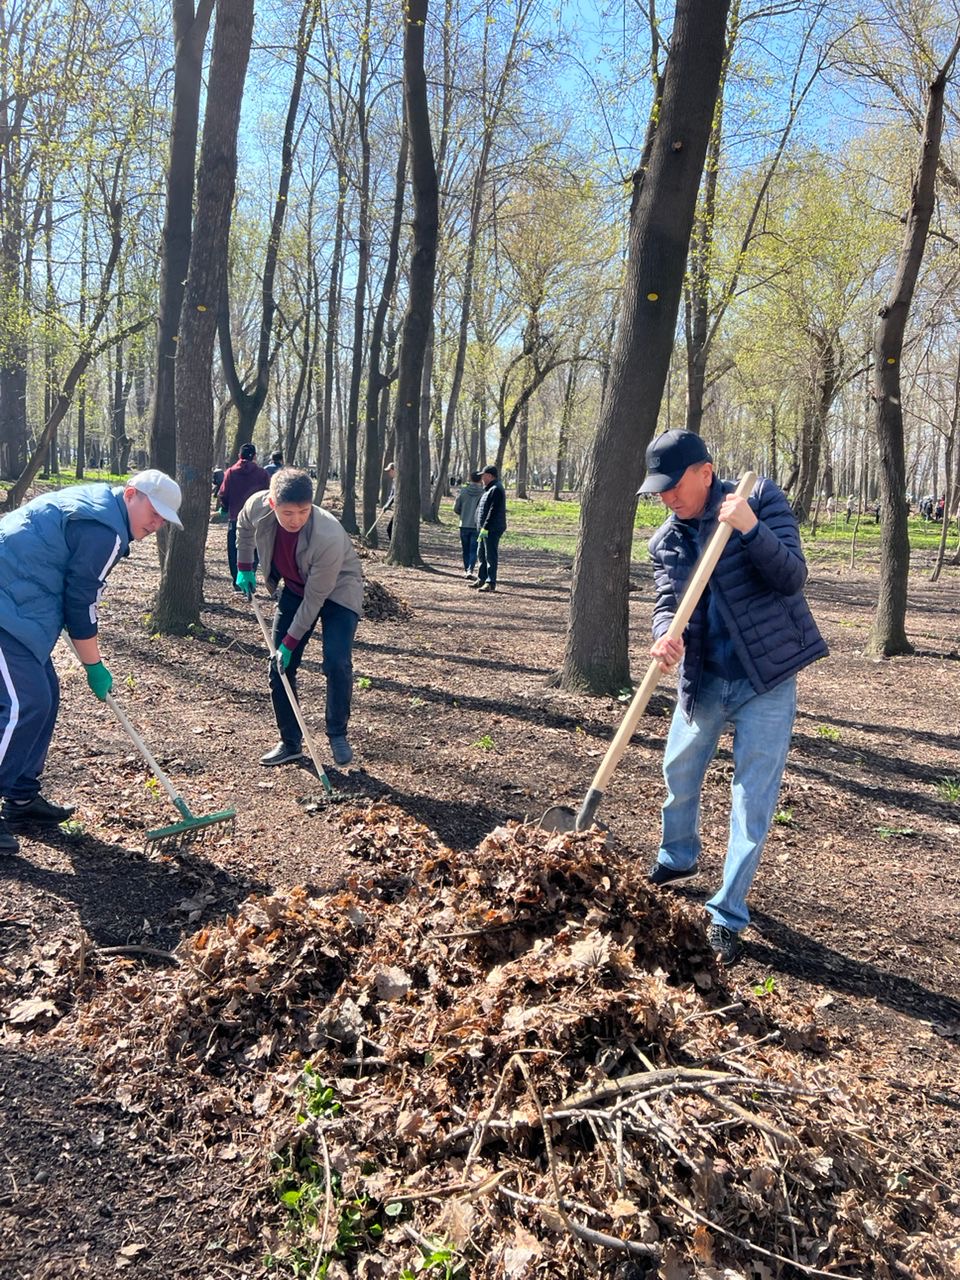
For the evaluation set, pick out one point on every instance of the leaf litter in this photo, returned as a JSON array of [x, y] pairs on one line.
[[535, 1059]]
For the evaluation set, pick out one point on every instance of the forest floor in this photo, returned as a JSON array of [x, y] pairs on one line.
[[109, 1163]]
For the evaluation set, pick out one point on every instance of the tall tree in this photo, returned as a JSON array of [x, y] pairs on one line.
[[405, 544], [664, 196], [249, 401], [190, 26], [181, 584], [888, 634]]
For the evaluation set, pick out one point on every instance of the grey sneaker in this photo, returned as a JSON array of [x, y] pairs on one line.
[[661, 874], [725, 943], [341, 750]]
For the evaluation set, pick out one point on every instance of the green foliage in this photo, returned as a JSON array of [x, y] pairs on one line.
[[828, 732], [949, 789], [364, 682], [783, 817], [154, 787], [888, 833], [317, 1098], [766, 987], [439, 1260], [483, 744]]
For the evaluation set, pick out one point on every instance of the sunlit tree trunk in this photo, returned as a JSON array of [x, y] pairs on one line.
[[661, 216], [888, 634], [180, 596], [405, 544]]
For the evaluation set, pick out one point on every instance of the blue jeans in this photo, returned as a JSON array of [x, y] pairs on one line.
[[29, 701], [338, 626], [762, 724], [468, 542], [488, 555]]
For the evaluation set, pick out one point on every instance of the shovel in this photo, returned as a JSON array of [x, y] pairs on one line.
[[561, 818], [288, 689]]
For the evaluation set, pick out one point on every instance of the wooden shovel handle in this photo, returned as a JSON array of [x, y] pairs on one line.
[[692, 592]]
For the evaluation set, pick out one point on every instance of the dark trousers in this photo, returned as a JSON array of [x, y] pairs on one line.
[[338, 626], [29, 701], [232, 552], [488, 556], [468, 541]]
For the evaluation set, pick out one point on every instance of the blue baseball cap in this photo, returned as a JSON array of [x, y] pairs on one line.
[[668, 458]]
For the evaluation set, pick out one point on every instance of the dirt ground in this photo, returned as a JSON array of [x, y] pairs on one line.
[[855, 908]]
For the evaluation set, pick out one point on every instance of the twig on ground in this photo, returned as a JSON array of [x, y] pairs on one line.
[[588, 1235], [152, 952], [747, 1244], [327, 1203]]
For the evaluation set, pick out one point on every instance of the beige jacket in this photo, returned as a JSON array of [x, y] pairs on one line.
[[325, 557]]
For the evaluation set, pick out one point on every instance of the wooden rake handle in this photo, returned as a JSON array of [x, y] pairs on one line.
[[696, 584]]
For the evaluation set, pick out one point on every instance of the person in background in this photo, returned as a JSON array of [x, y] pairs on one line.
[[275, 463], [390, 470], [55, 555], [241, 480], [466, 508], [750, 634], [315, 574], [491, 526]]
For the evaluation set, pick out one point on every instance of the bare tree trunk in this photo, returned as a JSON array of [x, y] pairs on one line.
[[661, 216], [189, 37], [888, 634], [250, 402], [377, 378], [180, 596], [426, 406], [405, 544], [330, 344]]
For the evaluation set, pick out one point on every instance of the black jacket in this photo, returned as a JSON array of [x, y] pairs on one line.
[[492, 508]]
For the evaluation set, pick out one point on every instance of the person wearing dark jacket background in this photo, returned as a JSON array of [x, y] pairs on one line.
[[749, 636], [55, 555], [491, 525], [240, 481]]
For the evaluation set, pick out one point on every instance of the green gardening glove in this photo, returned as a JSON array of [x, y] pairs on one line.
[[282, 657], [99, 679], [483, 533], [247, 581]]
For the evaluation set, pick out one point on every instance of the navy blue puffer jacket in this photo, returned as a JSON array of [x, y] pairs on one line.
[[757, 587]]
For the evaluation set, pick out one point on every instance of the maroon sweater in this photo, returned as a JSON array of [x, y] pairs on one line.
[[239, 482]]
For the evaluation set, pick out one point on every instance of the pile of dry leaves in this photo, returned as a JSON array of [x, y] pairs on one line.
[[526, 1054], [381, 605]]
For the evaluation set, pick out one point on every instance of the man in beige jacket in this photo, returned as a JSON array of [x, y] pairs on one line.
[[313, 571]]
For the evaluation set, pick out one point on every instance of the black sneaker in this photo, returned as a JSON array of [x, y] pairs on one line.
[[725, 943], [9, 843], [36, 812], [283, 753], [661, 874], [341, 750]]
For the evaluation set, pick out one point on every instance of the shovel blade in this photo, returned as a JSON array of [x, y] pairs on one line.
[[559, 818]]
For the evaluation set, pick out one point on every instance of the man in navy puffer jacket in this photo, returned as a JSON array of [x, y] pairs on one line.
[[739, 657], [55, 555]]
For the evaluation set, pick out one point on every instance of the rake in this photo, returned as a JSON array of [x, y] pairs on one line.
[[191, 828], [288, 689]]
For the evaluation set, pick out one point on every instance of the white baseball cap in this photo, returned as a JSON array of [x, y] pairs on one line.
[[163, 493]]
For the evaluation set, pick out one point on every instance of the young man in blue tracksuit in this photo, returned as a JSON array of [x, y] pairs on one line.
[[749, 636], [55, 555]]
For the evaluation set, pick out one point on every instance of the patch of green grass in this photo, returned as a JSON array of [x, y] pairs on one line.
[[888, 833], [783, 818], [828, 732], [483, 744], [949, 789]]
